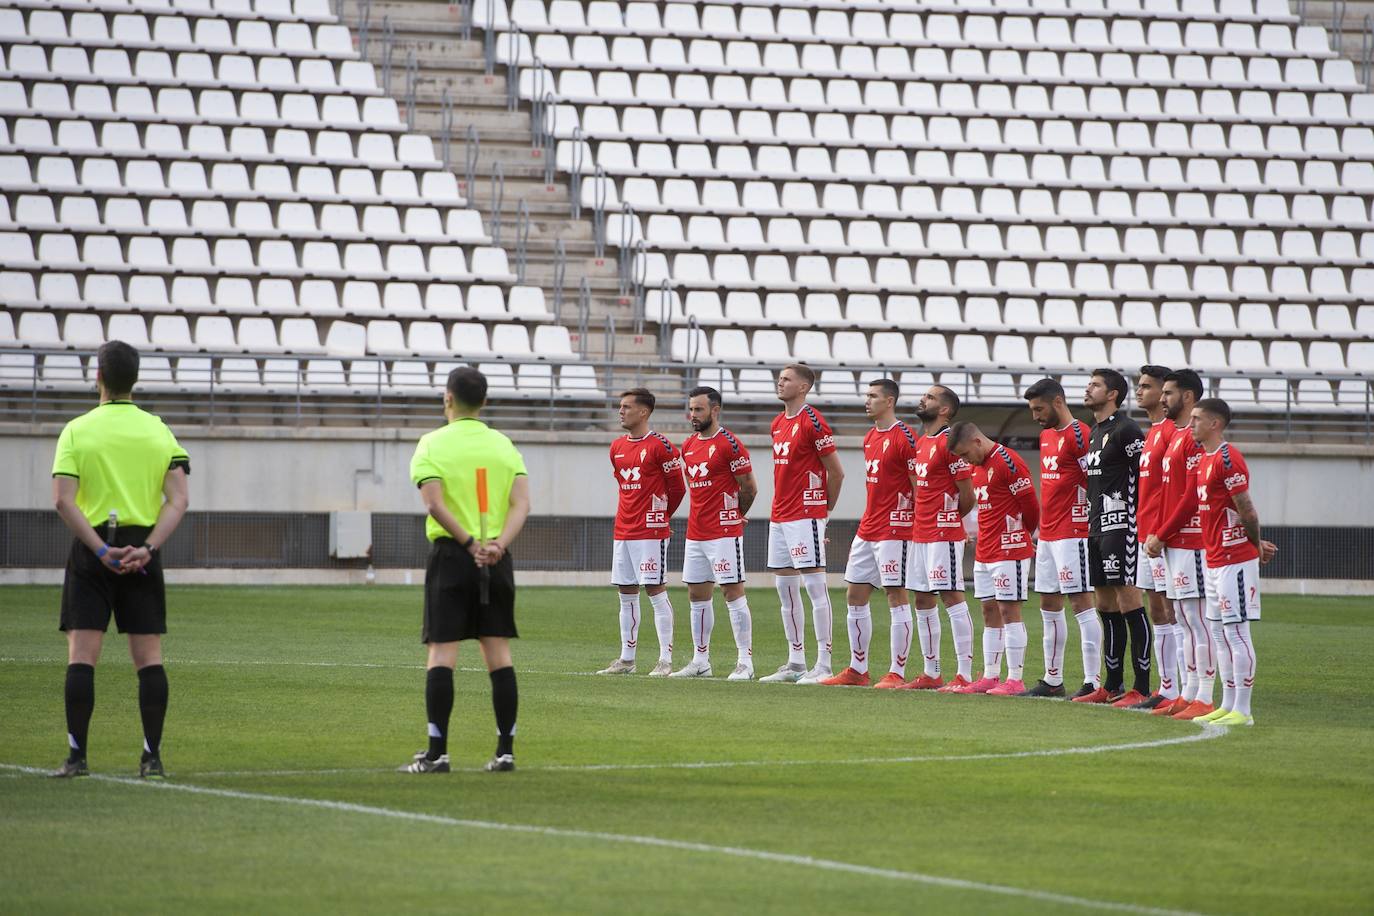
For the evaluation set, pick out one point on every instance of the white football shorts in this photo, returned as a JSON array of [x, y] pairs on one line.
[[935, 567], [1233, 592], [1004, 580], [1150, 572], [720, 560], [1061, 567], [797, 544], [639, 562], [881, 564], [1186, 572]]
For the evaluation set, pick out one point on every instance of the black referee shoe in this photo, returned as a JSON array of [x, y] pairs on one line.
[[71, 768], [1041, 689], [151, 768], [500, 763]]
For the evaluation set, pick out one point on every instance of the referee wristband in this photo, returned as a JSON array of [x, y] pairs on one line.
[[470, 542], [104, 549]]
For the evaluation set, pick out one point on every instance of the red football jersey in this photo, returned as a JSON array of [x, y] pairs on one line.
[[1179, 524], [937, 471], [1221, 475], [1147, 502], [1008, 512], [799, 478], [712, 463], [648, 472], [888, 458], [1063, 485]]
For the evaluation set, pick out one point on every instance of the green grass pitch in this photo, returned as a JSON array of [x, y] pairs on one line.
[[315, 694]]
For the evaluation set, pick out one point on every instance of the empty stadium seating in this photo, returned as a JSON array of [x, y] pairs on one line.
[[230, 180], [988, 190]]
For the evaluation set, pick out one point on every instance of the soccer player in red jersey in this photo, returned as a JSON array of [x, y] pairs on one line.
[[943, 497], [877, 557], [721, 488], [1008, 515], [1178, 539], [1061, 555], [1150, 575], [647, 469], [1234, 551], [806, 484]]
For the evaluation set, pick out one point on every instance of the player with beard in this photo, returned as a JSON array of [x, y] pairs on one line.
[[1061, 554], [1113, 468], [721, 488]]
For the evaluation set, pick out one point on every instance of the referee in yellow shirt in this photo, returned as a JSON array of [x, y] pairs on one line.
[[119, 483], [450, 466]]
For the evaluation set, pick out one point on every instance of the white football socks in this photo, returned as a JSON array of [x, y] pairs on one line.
[[1242, 663], [789, 595], [703, 622], [663, 623], [961, 625], [822, 618], [928, 627], [994, 642], [1090, 643], [1204, 650], [1187, 669], [900, 638], [1166, 638], [629, 626], [1016, 650], [1225, 664], [743, 626], [860, 623], [1052, 640]]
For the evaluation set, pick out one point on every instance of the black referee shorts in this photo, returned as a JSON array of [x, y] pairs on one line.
[[1112, 558], [453, 608], [91, 591]]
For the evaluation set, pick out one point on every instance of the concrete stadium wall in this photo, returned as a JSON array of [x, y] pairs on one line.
[[287, 470]]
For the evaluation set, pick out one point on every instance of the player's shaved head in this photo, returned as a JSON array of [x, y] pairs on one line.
[[962, 433], [1215, 407], [117, 363], [968, 442]]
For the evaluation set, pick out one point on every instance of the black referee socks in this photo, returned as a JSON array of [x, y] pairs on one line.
[[438, 708], [80, 697], [152, 707], [1139, 625], [505, 699], [1113, 651]]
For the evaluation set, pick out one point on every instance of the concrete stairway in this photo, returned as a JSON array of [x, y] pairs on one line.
[[1346, 22], [443, 60]]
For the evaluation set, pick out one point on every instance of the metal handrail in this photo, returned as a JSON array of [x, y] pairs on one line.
[[550, 135], [465, 18], [575, 174], [665, 318], [498, 200], [584, 311], [364, 25], [599, 212], [560, 273], [472, 147], [489, 38], [446, 127], [639, 267], [412, 77], [522, 240], [513, 66], [609, 344], [1367, 52], [625, 249], [388, 43]]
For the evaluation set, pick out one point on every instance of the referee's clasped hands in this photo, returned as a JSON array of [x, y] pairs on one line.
[[487, 553], [125, 560]]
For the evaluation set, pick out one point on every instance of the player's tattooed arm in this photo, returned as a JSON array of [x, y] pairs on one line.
[[748, 492], [966, 500], [1245, 508], [834, 477]]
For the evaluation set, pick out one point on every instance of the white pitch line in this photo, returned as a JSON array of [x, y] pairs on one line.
[[738, 852], [1205, 734], [260, 663]]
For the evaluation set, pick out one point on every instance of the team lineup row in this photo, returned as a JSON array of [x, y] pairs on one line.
[[1124, 521]]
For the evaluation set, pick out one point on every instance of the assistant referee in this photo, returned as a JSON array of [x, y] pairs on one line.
[[119, 484], [446, 468]]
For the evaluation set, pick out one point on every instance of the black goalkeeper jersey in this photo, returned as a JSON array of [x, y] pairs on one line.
[[1113, 468]]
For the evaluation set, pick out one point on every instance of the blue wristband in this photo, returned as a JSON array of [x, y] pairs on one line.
[[104, 549]]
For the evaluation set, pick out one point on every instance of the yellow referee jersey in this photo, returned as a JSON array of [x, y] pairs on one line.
[[121, 454], [453, 454]]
